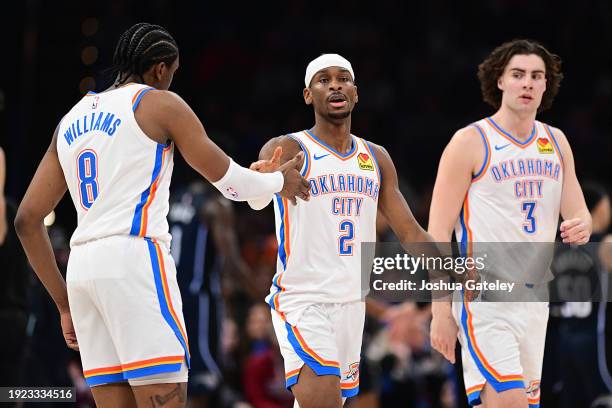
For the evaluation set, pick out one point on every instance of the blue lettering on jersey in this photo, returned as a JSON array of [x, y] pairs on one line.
[[105, 122], [344, 183], [515, 168]]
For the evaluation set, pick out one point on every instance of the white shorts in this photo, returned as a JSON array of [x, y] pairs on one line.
[[327, 337], [127, 311], [502, 343]]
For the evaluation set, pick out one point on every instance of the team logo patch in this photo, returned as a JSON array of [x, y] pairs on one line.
[[94, 104], [533, 391], [365, 162], [232, 192], [352, 373], [544, 146]]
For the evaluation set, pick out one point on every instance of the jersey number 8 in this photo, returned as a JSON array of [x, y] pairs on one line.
[[87, 172]]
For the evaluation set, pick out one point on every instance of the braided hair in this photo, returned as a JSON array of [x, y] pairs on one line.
[[140, 47]]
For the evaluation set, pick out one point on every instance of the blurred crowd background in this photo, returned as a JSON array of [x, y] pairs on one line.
[[241, 70]]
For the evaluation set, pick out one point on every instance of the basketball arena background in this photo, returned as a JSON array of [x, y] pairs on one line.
[[241, 70]]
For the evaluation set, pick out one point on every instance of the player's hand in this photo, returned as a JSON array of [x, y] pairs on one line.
[[68, 331], [268, 166], [575, 231], [444, 335], [295, 185]]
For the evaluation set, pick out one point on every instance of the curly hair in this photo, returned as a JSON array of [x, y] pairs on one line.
[[492, 68]]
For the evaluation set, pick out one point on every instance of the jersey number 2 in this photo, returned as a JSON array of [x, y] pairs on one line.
[[345, 243], [87, 172]]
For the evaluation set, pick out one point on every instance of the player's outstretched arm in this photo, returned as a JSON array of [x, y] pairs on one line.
[[577, 225], [171, 118], [46, 189]]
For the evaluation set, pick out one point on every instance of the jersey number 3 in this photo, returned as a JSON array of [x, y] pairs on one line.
[[527, 208], [87, 172], [345, 242]]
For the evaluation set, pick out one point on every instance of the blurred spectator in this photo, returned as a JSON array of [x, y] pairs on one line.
[[263, 376], [204, 245], [577, 327]]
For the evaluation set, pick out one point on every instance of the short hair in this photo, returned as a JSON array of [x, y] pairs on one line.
[[492, 68], [140, 47]]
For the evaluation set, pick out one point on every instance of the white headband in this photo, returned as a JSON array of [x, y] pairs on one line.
[[326, 61]]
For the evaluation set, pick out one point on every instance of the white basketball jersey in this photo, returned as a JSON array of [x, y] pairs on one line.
[[117, 176], [516, 195], [319, 256]]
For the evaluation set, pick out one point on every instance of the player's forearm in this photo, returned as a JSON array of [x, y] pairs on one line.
[[35, 241], [242, 184]]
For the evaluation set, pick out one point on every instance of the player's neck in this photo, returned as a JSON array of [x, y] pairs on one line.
[[518, 124], [335, 135]]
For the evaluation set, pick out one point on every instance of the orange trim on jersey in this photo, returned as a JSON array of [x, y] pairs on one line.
[[134, 365], [330, 150], [488, 154], [162, 269], [348, 386], [137, 94], [287, 247], [145, 209], [533, 400], [554, 144], [483, 360], [307, 160], [466, 220], [311, 352], [478, 387], [522, 146], [292, 373]]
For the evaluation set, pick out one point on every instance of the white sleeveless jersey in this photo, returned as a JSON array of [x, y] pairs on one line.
[[117, 176], [516, 195], [319, 256]]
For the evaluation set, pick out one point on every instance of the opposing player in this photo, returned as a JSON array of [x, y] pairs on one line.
[[504, 179], [316, 300], [114, 152]]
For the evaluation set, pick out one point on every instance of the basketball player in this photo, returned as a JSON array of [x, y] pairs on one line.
[[204, 244], [114, 152], [317, 310], [583, 369], [504, 179]]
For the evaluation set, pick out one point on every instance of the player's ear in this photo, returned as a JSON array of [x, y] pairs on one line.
[[307, 96], [500, 84]]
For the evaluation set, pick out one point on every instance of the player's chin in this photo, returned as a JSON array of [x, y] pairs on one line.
[[339, 114]]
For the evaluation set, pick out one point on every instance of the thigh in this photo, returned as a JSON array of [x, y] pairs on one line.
[[99, 358], [317, 391], [311, 341], [134, 282], [173, 395], [532, 344], [348, 322], [490, 348], [114, 396]]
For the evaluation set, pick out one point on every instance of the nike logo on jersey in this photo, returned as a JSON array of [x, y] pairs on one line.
[[501, 147], [319, 157]]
